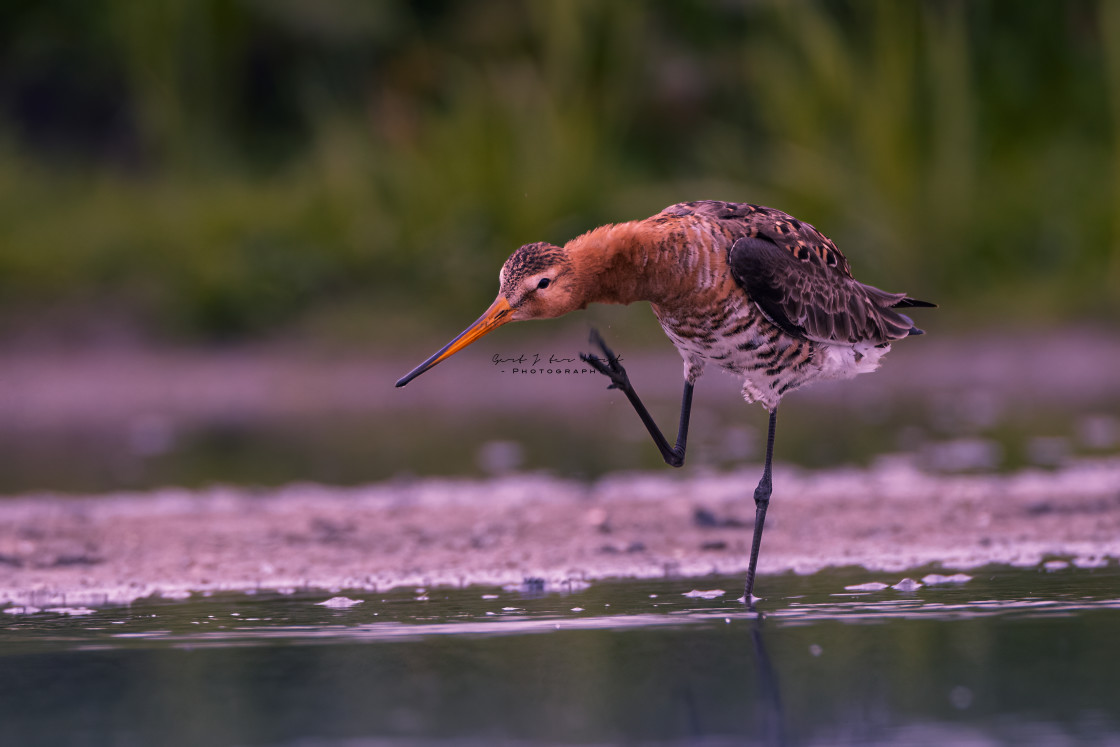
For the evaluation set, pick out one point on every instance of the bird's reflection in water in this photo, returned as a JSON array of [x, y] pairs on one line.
[[765, 714], [770, 718]]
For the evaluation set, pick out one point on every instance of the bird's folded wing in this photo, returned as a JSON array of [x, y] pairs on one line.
[[804, 296]]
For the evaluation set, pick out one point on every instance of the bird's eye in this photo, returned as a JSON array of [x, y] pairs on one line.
[[543, 283]]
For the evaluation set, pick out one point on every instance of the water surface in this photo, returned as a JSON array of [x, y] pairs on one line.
[[1010, 656]]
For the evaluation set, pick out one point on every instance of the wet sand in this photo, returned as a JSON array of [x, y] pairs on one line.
[[113, 549]]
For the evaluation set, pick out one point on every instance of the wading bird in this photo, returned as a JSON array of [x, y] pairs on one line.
[[747, 288]]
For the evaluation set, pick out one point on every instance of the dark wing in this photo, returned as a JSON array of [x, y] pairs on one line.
[[808, 299], [799, 279]]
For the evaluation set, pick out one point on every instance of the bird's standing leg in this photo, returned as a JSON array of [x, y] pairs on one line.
[[761, 502], [612, 369]]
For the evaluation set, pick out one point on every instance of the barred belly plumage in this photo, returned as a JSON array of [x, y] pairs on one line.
[[747, 345]]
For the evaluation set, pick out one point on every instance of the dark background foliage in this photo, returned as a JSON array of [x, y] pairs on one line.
[[215, 169]]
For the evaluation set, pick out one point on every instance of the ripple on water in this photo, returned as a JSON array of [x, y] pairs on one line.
[[237, 620]]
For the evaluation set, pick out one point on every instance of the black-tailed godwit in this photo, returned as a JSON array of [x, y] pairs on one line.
[[746, 288]]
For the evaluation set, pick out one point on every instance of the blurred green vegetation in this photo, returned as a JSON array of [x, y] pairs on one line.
[[208, 169]]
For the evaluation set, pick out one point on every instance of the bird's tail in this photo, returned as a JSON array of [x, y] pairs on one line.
[[913, 303], [894, 323]]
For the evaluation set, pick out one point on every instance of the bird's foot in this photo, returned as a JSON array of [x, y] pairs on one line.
[[608, 365]]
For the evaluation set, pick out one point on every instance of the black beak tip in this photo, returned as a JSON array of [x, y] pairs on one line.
[[412, 374]]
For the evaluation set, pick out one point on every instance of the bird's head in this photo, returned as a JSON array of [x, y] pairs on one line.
[[538, 281]]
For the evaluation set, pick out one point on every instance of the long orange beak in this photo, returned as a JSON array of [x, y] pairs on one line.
[[495, 316]]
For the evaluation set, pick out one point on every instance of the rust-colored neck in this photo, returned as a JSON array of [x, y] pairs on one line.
[[634, 261]]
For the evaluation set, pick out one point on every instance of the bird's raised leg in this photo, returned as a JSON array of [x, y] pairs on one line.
[[609, 366], [761, 502]]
